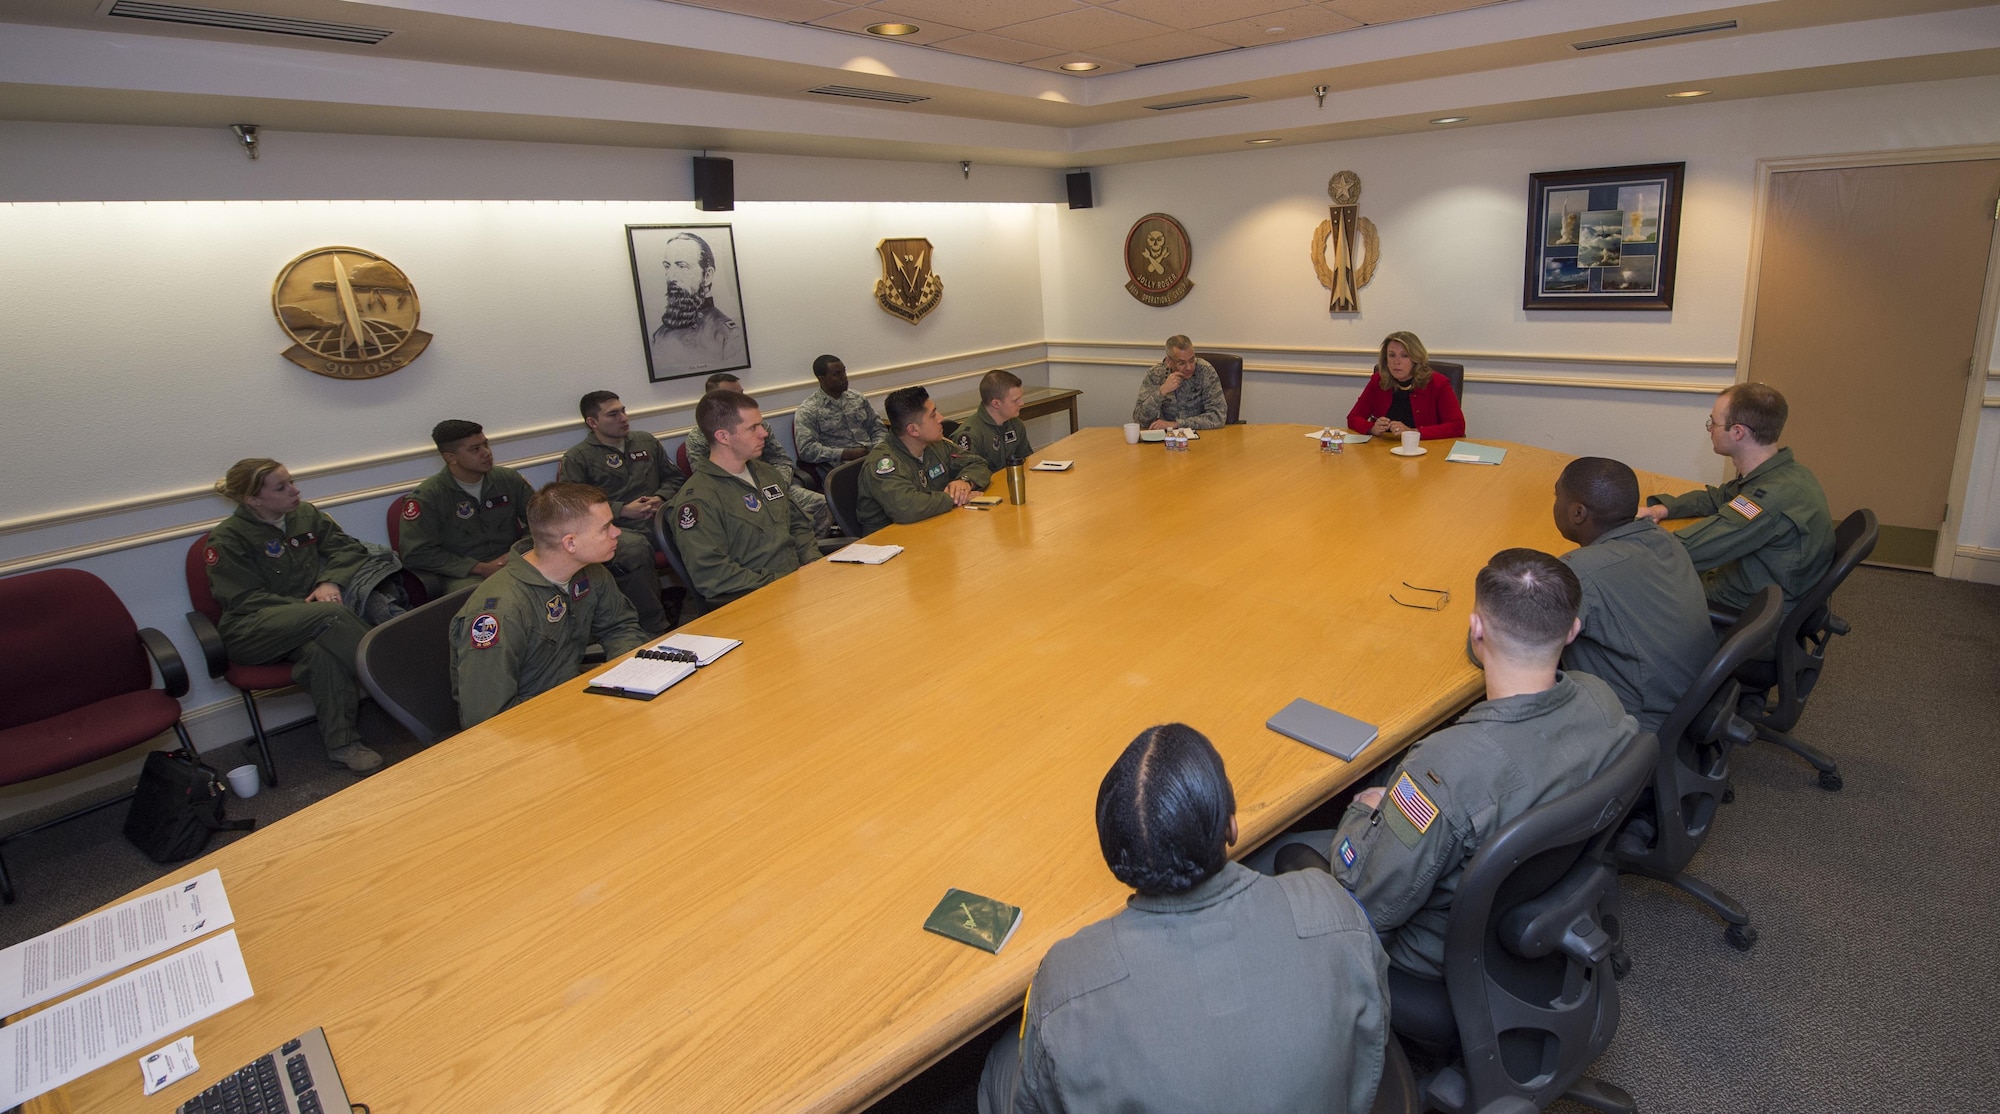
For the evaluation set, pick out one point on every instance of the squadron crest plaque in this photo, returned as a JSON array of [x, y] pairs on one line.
[[1158, 256], [350, 313], [1344, 271], [909, 289]]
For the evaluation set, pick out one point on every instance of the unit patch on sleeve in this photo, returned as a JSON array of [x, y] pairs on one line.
[[412, 511], [884, 466], [1743, 506], [210, 555], [485, 631], [690, 517]]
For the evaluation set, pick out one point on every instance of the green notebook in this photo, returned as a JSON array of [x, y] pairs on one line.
[[984, 923]]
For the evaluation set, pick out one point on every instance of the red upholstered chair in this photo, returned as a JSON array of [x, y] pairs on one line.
[[247, 680], [76, 682], [681, 460], [413, 585]]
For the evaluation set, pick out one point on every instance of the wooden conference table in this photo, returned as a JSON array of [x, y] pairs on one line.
[[715, 901]]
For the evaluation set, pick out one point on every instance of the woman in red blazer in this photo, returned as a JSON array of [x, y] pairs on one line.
[[1404, 393]]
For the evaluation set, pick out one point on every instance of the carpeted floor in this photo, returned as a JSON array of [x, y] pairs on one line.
[[1871, 988]]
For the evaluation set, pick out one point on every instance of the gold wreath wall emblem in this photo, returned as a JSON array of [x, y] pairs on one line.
[[1371, 253]]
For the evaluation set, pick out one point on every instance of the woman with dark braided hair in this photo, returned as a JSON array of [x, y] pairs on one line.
[[1217, 988]]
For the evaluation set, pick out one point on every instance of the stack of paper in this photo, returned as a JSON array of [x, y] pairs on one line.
[[1465, 452], [861, 553]]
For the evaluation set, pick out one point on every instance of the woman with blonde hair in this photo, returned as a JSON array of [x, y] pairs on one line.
[[1405, 394], [295, 587]]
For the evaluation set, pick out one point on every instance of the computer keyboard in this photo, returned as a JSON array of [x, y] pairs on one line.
[[298, 1077]]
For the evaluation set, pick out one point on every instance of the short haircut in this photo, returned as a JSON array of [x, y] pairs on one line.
[[594, 402], [994, 385], [905, 407], [717, 410], [1528, 599], [821, 364], [1180, 343], [718, 379], [557, 507], [707, 255], [1163, 811], [1758, 407], [1420, 361], [451, 431], [245, 478], [1607, 488]]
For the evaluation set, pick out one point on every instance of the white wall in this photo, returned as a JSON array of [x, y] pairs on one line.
[[1451, 208]]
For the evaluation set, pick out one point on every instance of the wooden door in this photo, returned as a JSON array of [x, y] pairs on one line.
[[1868, 300]]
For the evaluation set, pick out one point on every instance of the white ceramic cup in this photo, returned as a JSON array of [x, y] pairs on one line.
[[243, 781], [1131, 433], [1410, 439]]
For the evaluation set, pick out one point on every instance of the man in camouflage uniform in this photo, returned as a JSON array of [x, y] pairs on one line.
[[1181, 391], [460, 523], [1539, 733], [737, 527], [834, 424], [522, 632], [811, 502], [916, 473], [1769, 525], [634, 473], [995, 432]]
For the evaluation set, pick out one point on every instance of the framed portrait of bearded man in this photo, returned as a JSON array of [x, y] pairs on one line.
[[690, 302]]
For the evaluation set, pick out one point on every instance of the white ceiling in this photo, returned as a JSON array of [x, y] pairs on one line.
[[649, 73]]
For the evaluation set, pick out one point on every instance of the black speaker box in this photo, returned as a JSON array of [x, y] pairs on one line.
[[714, 184], [1079, 189]]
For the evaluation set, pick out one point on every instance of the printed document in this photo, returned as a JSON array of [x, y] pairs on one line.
[[59, 961]]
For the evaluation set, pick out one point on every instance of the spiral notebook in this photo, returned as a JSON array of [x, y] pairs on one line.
[[656, 669]]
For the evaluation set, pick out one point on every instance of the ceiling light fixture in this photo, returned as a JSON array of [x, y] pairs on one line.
[[1690, 93], [1654, 36], [1259, 142], [893, 30], [1079, 67], [1451, 119]]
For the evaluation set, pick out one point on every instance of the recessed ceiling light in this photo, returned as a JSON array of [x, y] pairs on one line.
[[1079, 67], [1259, 142], [1692, 93], [893, 30], [1451, 119]]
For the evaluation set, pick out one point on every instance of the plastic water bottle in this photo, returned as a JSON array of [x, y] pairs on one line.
[[1327, 441]]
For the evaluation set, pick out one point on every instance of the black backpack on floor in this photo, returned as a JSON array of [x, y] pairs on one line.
[[177, 807]]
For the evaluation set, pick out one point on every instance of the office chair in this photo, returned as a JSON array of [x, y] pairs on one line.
[[1229, 369], [843, 494], [247, 680], [681, 460], [1531, 954], [950, 428], [1801, 651], [76, 683], [1453, 374], [1691, 777], [405, 665], [403, 509], [663, 543]]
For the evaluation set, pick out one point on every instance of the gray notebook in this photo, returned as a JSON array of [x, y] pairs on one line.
[[1320, 727]]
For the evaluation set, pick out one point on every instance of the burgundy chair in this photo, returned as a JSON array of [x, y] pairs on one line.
[[413, 585], [247, 680], [1229, 370], [76, 683], [681, 460]]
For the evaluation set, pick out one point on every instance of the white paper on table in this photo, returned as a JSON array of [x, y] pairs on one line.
[[861, 553], [110, 1022], [60, 960], [1052, 466], [706, 648]]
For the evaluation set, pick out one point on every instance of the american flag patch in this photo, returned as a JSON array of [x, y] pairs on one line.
[[1416, 807], [1346, 853], [1743, 506]]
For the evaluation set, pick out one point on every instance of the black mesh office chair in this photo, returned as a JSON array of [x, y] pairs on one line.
[[1229, 369], [1691, 776], [663, 541], [1530, 951], [405, 665], [843, 495], [1801, 651]]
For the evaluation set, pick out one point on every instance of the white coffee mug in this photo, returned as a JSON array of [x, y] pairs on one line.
[[1131, 433], [1410, 439]]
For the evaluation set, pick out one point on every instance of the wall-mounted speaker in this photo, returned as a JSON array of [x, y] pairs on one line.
[[714, 184], [1079, 189]]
